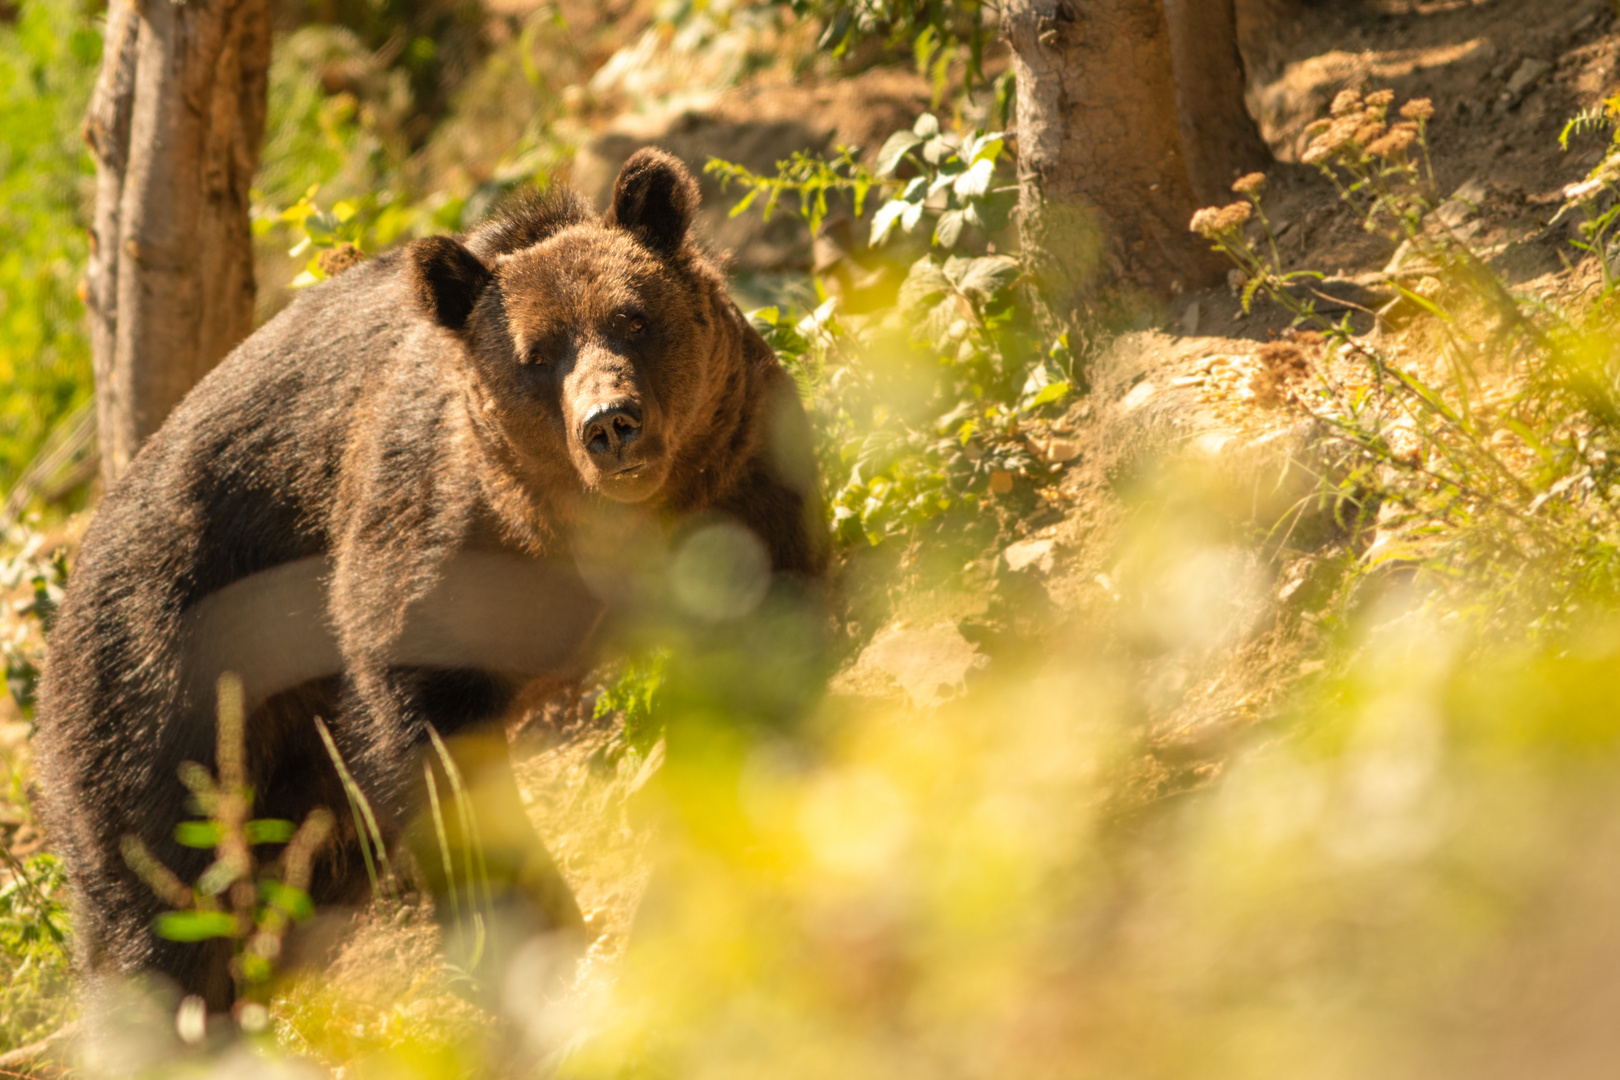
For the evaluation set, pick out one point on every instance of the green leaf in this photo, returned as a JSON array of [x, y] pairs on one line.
[[295, 902], [910, 216], [1051, 392], [884, 220], [198, 834], [815, 322], [194, 925], [926, 127], [1530, 439], [948, 229], [321, 225], [924, 48], [982, 277], [254, 968], [986, 147], [937, 325], [990, 212], [270, 831], [924, 282], [976, 181], [894, 151], [745, 202]]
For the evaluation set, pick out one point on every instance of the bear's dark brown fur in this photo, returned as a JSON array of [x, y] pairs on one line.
[[465, 394]]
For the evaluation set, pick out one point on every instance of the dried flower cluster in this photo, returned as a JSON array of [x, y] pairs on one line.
[[1359, 126], [1418, 109], [1212, 221], [1252, 184], [1395, 143], [1345, 103]]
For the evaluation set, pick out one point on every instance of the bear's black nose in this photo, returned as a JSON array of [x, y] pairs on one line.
[[610, 428]]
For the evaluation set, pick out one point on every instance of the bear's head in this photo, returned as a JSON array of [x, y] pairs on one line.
[[598, 343]]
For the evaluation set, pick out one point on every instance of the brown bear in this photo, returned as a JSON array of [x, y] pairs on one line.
[[373, 503]]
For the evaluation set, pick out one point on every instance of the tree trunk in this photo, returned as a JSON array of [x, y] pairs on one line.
[[1105, 196], [1218, 136], [175, 125]]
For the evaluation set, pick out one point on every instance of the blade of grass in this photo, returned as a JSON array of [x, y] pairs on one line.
[[444, 843], [365, 822]]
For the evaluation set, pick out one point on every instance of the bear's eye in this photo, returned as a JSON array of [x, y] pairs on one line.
[[633, 323], [536, 355]]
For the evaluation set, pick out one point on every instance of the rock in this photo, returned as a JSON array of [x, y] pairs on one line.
[[1056, 451], [930, 665], [1463, 204], [1211, 443], [1137, 397], [1027, 554], [1530, 72]]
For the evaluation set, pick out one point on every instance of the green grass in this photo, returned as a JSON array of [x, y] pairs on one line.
[[35, 987], [48, 60]]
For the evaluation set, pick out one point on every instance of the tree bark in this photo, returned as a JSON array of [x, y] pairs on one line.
[[1104, 192], [1218, 136], [175, 125]]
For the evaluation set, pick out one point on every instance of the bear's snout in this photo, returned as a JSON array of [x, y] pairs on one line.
[[618, 449], [608, 429]]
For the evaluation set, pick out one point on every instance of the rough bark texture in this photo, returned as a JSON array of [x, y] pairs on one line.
[[1218, 136], [175, 124], [1105, 195]]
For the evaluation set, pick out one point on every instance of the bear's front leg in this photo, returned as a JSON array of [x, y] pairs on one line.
[[453, 804], [494, 883]]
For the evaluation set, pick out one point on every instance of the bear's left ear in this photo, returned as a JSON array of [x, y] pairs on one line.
[[654, 198], [446, 280]]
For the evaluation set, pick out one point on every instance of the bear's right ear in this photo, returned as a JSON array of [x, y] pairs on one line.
[[655, 199], [446, 279]]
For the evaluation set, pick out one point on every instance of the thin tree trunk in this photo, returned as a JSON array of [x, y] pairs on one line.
[[1105, 196], [106, 129], [175, 124], [1218, 136]]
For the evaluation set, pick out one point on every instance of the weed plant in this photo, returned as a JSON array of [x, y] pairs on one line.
[[34, 937], [238, 900], [919, 396], [1474, 437]]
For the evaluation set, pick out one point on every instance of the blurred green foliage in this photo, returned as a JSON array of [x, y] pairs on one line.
[[634, 695], [1484, 453], [429, 47], [48, 61], [35, 996], [42, 576], [918, 397], [238, 898]]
